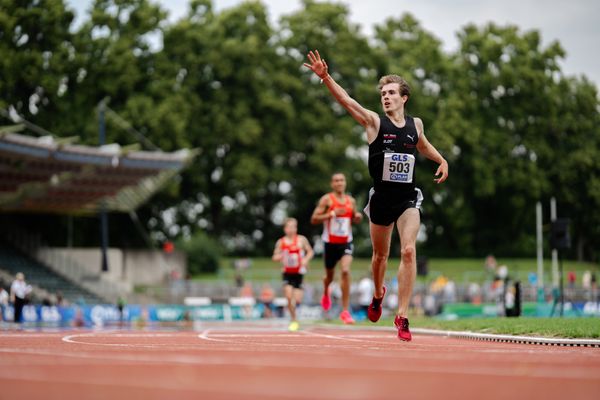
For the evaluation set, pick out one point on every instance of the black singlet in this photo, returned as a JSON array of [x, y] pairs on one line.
[[391, 139]]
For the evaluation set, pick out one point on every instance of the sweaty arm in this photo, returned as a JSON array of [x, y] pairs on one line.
[[357, 214], [429, 151], [363, 116], [309, 253], [320, 214], [277, 254]]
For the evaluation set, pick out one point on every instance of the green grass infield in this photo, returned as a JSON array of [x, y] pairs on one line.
[[574, 328]]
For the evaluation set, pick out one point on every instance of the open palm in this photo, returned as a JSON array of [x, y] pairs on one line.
[[317, 64]]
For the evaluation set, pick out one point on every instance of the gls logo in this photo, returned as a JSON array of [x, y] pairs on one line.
[[400, 157]]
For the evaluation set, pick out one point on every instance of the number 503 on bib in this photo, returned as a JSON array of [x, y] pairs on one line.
[[398, 167]]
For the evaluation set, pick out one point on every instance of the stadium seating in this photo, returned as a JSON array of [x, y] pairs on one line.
[[13, 261]]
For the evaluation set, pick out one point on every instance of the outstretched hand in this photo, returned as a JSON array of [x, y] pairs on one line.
[[443, 171], [317, 64]]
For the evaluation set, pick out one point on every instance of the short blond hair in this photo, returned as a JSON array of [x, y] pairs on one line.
[[404, 88], [288, 220]]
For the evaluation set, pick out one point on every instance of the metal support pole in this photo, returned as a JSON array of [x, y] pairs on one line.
[[103, 216], [555, 282]]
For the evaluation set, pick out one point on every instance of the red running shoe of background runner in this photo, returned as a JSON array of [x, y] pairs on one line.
[[326, 302], [346, 317]]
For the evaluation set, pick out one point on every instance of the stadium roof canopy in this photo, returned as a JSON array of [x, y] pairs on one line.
[[52, 175]]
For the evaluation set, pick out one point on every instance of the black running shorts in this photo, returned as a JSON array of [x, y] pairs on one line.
[[335, 251], [295, 280], [385, 209]]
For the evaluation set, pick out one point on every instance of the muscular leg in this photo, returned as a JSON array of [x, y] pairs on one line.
[[327, 279], [408, 227], [288, 291], [298, 294], [345, 264], [380, 238]]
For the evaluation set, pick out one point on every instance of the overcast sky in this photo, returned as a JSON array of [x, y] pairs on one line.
[[575, 23]]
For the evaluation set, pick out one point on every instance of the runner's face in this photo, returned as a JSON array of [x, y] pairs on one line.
[[391, 99], [338, 183], [290, 229]]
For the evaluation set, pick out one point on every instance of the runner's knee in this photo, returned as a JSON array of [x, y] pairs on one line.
[[408, 253], [380, 257]]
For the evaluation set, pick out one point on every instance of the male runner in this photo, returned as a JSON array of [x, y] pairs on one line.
[[294, 252], [337, 211], [393, 139]]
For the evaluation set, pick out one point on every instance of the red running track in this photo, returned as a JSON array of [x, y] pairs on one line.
[[246, 361]]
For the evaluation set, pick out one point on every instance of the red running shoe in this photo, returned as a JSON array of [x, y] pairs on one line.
[[326, 302], [346, 317], [375, 309], [401, 324]]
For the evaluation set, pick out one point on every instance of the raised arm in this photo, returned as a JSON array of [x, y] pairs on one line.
[[366, 118], [429, 151]]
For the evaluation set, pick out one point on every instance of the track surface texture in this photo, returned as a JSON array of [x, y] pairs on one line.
[[264, 361]]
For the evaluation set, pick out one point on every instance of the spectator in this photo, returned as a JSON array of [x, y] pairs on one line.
[[267, 295], [490, 265], [246, 290], [502, 272], [365, 293], [571, 279], [3, 302], [449, 292], [121, 307], [594, 286], [239, 280], [19, 290], [586, 283], [474, 293], [512, 300], [60, 300]]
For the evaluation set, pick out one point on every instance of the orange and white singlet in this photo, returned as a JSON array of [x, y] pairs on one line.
[[292, 256], [338, 229]]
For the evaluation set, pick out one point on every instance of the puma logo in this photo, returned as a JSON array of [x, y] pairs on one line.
[[411, 138]]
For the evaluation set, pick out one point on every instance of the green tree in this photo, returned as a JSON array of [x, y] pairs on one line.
[[35, 48], [504, 100]]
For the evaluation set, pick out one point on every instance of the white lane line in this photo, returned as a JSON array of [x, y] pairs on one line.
[[310, 333], [204, 336], [256, 336], [108, 334]]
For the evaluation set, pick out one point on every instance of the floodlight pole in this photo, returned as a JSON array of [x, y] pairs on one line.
[[103, 215]]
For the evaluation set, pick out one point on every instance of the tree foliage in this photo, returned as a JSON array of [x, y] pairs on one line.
[[231, 84]]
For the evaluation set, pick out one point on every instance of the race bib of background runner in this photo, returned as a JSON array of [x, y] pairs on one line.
[[291, 260], [398, 167], [340, 226]]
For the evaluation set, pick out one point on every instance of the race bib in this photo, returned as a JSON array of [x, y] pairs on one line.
[[291, 260], [340, 226], [398, 167]]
